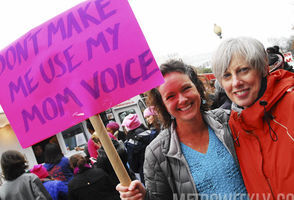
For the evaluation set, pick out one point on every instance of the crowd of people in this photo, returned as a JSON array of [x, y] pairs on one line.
[[237, 141], [82, 176]]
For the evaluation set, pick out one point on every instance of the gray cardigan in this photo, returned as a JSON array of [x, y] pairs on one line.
[[167, 174], [26, 187]]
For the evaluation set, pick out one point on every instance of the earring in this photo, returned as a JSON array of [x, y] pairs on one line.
[[203, 101]]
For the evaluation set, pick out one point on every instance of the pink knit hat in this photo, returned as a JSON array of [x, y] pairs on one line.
[[149, 111], [40, 171], [131, 122], [113, 126]]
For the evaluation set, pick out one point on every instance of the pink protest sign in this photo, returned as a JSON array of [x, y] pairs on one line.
[[74, 66]]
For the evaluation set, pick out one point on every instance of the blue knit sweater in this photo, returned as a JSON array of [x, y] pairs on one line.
[[215, 173]]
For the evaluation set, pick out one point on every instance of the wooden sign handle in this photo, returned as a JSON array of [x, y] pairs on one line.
[[110, 150]]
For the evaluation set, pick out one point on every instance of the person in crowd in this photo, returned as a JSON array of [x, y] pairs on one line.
[[220, 98], [276, 59], [104, 163], [57, 189], [56, 164], [275, 62], [39, 153], [194, 156], [89, 183], [138, 137], [111, 136], [19, 184], [262, 115], [152, 120], [92, 147], [113, 128], [95, 139]]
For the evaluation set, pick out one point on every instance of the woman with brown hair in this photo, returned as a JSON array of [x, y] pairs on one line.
[[194, 156], [19, 184]]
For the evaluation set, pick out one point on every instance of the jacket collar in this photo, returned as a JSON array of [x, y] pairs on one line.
[[216, 120], [173, 147]]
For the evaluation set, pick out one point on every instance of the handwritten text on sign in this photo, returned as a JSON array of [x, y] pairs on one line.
[[85, 60]]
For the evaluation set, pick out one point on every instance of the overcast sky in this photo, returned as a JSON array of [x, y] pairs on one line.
[[183, 27]]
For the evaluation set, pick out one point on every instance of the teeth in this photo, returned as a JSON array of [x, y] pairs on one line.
[[240, 92], [185, 108]]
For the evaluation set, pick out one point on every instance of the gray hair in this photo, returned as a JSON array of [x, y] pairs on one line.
[[250, 49]]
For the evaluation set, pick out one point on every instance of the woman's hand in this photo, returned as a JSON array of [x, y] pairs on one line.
[[135, 191]]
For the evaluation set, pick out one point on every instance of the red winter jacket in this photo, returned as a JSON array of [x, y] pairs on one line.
[[265, 142]]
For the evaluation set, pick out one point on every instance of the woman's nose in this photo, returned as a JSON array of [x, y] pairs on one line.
[[182, 98], [236, 81]]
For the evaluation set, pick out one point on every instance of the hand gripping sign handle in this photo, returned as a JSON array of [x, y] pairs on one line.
[[110, 150]]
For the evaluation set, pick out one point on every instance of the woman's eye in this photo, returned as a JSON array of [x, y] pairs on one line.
[[186, 88], [169, 97], [226, 75], [244, 69]]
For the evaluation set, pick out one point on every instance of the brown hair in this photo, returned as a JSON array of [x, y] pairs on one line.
[[95, 138], [13, 164], [77, 160], [155, 99]]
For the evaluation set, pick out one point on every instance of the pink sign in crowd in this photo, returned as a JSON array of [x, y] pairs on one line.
[[72, 67]]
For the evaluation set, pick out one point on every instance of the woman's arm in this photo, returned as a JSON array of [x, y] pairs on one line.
[[156, 180], [39, 190]]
